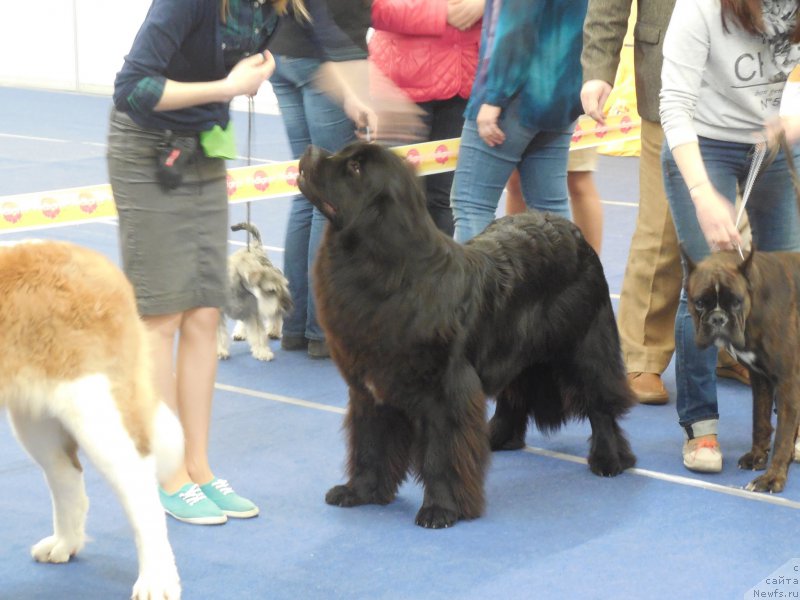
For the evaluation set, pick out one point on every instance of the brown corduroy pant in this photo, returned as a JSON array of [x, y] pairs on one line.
[[652, 281]]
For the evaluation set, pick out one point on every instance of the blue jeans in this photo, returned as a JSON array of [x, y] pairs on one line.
[[773, 215], [310, 117], [482, 172]]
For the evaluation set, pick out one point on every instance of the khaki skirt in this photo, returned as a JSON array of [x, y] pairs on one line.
[[173, 243]]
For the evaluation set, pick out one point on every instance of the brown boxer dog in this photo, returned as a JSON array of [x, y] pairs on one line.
[[750, 308]]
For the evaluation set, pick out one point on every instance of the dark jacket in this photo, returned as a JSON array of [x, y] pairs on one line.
[[337, 31], [178, 40]]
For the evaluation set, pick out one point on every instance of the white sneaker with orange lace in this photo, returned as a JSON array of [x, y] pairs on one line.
[[702, 454]]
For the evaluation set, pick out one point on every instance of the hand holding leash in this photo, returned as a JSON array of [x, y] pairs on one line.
[[365, 119], [715, 215], [249, 73]]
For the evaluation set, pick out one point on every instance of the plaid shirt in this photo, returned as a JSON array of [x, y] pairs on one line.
[[247, 29]]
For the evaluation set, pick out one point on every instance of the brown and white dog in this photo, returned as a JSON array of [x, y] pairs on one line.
[[75, 372], [751, 308]]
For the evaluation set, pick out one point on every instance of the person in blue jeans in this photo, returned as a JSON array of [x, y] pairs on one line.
[[331, 31], [717, 103], [522, 110]]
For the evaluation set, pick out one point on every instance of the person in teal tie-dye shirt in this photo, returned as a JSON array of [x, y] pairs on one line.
[[522, 109]]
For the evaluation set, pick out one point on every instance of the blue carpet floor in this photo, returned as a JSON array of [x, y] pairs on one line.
[[551, 528]]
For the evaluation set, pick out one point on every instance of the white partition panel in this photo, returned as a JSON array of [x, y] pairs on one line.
[[37, 44], [76, 45], [104, 31]]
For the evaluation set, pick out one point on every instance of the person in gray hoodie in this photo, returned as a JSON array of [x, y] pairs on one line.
[[725, 67]]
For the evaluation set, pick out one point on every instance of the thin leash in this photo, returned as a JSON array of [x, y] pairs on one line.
[[759, 151], [250, 122], [367, 132]]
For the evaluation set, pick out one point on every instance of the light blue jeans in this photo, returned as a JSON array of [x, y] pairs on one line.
[[310, 117], [773, 215], [482, 172]]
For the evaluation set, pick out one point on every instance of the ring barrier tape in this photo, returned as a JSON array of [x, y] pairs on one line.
[[260, 182]]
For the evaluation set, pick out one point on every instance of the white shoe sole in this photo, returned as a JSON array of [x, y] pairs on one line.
[[244, 514], [199, 520]]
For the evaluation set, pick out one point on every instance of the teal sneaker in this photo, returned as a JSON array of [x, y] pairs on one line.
[[190, 505], [229, 502]]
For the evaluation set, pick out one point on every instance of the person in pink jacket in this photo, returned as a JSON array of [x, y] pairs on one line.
[[429, 49]]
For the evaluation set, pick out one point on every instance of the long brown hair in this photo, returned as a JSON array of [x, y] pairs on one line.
[[281, 7], [749, 15]]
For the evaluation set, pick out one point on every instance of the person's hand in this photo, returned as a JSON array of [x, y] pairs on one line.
[[594, 94], [488, 129], [370, 99], [364, 117], [787, 125], [463, 14], [716, 217], [249, 73]]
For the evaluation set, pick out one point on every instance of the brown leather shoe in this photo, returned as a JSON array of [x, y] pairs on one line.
[[648, 387], [735, 371]]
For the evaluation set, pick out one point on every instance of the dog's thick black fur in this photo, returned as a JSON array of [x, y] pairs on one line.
[[424, 329]]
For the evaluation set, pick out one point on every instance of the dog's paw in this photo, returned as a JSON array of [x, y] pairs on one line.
[[223, 354], [342, 495], [497, 443], [157, 587], [502, 436], [611, 465], [54, 549], [753, 461], [239, 332], [435, 517], [264, 354], [768, 482], [610, 455]]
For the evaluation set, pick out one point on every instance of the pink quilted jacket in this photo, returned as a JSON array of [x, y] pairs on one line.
[[423, 55]]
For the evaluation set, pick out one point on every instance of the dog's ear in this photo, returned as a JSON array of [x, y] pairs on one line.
[[690, 265], [744, 268]]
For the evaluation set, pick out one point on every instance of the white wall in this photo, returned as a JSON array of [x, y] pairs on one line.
[[74, 45]]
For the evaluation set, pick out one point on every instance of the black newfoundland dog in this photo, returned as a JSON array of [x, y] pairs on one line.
[[424, 329]]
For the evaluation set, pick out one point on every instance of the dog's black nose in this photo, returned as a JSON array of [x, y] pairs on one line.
[[718, 319]]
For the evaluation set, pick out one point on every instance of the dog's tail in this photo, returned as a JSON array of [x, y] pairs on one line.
[[249, 228]]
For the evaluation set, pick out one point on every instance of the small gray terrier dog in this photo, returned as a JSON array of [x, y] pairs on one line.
[[258, 299]]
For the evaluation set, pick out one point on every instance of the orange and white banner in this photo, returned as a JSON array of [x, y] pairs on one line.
[[265, 181]]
